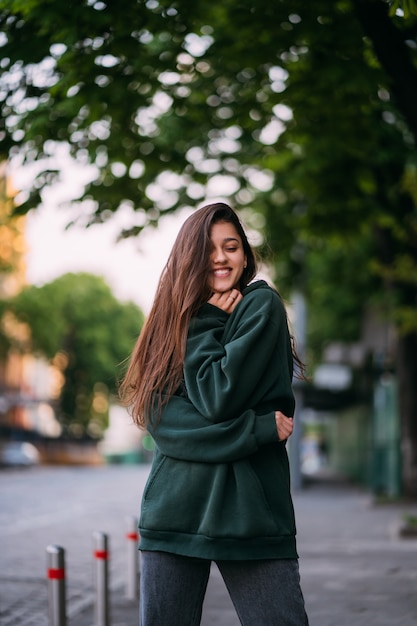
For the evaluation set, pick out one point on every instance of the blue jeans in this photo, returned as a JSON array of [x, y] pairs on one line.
[[264, 592]]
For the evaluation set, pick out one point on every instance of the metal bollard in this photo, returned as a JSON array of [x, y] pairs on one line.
[[132, 536], [56, 585], [101, 576]]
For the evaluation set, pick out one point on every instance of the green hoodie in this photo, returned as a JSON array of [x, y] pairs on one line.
[[219, 486]]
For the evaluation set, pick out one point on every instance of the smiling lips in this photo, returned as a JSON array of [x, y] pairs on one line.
[[222, 272]]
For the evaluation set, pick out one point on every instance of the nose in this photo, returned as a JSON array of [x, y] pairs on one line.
[[218, 255]]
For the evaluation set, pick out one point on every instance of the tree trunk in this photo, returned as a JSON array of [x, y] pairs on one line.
[[407, 402]]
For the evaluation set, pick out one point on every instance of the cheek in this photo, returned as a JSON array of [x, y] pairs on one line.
[[240, 271]]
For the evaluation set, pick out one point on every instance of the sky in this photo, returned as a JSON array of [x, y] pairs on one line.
[[131, 267]]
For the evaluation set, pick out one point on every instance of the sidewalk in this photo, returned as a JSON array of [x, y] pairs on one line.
[[355, 570]]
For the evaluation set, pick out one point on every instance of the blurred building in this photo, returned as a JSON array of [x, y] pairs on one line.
[[12, 242], [28, 384], [123, 442], [350, 415]]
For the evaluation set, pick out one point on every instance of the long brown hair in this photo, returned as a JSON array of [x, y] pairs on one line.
[[156, 366]]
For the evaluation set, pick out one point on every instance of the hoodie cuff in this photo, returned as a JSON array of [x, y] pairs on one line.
[[266, 429]]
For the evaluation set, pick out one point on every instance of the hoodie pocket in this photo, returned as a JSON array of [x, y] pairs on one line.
[[218, 501]]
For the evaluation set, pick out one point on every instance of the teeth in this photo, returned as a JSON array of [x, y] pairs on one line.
[[221, 272]]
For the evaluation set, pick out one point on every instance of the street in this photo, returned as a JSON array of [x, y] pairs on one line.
[[355, 570], [62, 506]]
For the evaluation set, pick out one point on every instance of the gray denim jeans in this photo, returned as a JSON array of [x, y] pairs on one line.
[[264, 592]]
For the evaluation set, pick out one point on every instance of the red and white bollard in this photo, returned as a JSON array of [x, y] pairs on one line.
[[56, 586], [132, 536], [101, 579]]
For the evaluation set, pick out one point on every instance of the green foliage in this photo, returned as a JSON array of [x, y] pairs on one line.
[[77, 323], [310, 107], [348, 186], [336, 313], [408, 7]]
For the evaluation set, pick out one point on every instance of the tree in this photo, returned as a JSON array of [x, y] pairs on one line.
[[77, 323], [354, 179], [303, 108]]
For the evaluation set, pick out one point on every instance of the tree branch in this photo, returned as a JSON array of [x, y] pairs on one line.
[[393, 55]]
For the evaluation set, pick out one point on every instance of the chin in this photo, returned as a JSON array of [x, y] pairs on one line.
[[222, 288]]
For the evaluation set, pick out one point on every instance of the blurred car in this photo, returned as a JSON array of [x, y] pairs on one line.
[[18, 454]]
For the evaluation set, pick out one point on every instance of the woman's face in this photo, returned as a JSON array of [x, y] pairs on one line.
[[227, 258]]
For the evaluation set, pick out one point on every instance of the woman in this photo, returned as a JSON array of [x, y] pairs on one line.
[[210, 378]]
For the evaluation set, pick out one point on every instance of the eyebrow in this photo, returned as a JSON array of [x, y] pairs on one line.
[[228, 240]]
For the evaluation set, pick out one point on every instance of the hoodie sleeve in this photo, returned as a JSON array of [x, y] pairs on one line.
[[226, 355], [183, 433]]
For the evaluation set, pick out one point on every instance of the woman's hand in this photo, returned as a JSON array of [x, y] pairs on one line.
[[284, 424], [226, 300]]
